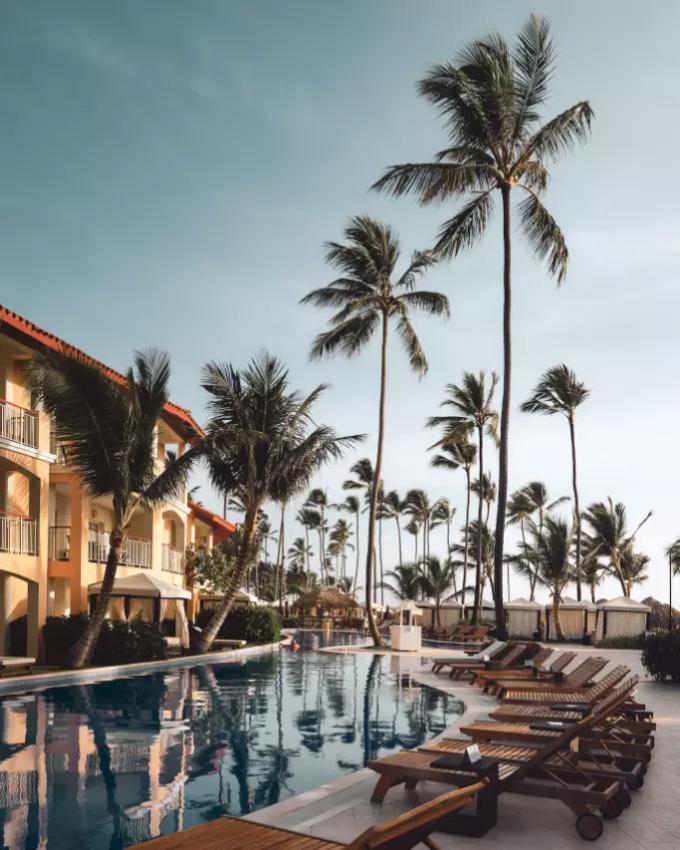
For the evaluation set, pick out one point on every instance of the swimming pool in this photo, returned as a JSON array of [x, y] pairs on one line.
[[114, 763]]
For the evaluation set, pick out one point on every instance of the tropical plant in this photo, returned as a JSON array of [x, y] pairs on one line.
[[673, 555], [404, 581], [298, 555], [472, 403], [552, 550], [457, 451], [340, 537], [367, 300], [591, 572], [443, 514], [490, 99], [486, 490], [519, 512], [317, 499], [559, 391], [352, 505], [412, 527], [418, 506], [309, 520], [436, 580], [262, 438], [362, 470], [392, 507], [633, 569], [609, 538], [110, 429]]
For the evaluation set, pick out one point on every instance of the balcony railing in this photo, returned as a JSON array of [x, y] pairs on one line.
[[137, 550], [173, 560], [18, 534], [18, 424], [60, 543], [58, 448]]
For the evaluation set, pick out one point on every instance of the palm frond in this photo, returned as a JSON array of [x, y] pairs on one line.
[[412, 346], [349, 337], [544, 235], [466, 227]]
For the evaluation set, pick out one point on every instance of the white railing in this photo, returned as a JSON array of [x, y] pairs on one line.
[[172, 561], [137, 550], [58, 448], [18, 424], [60, 543], [18, 534]]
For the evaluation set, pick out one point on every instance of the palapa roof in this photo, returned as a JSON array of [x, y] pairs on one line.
[[325, 597]]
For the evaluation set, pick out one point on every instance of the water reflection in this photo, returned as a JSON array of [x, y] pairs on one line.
[[115, 763]]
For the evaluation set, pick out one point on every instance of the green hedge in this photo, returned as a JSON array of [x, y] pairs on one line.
[[119, 643], [291, 622], [248, 623], [623, 642], [661, 655]]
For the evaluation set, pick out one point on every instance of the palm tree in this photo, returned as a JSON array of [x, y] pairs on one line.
[[352, 506], [110, 429], [591, 572], [263, 439], [413, 528], [393, 507], [559, 391], [404, 581], [298, 555], [633, 568], [456, 451], [609, 537], [472, 403], [443, 514], [673, 555], [490, 100], [552, 549], [368, 299], [417, 505], [537, 494], [309, 520], [363, 480], [519, 512], [486, 488], [436, 580], [318, 500], [340, 535]]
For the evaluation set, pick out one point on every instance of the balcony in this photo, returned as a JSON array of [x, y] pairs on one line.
[[18, 424], [137, 550], [18, 534], [60, 543], [173, 560]]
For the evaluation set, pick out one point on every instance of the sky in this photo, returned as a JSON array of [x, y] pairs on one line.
[[170, 172]]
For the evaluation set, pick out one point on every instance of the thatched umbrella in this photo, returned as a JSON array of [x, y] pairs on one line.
[[325, 599]]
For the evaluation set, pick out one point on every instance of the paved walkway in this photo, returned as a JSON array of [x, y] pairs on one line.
[[341, 810]]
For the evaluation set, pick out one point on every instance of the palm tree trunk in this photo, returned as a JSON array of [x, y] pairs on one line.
[[467, 531], [282, 557], [247, 552], [448, 553], [505, 417], [380, 552], [307, 556], [556, 615], [480, 531], [377, 474], [356, 568], [577, 512], [81, 652], [396, 519]]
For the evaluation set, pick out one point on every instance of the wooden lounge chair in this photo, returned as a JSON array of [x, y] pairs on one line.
[[401, 833], [502, 661], [586, 795], [484, 677], [15, 665], [494, 681], [228, 643], [557, 694], [490, 651]]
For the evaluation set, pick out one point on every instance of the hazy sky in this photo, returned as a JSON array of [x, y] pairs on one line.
[[171, 170]]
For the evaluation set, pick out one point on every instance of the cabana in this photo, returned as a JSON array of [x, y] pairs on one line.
[[450, 614], [487, 608], [326, 604], [145, 597], [524, 618], [578, 619], [406, 635], [621, 617]]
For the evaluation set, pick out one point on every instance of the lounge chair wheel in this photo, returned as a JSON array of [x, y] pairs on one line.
[[635, 783], [625, 798], [612, 808], [589, 826]]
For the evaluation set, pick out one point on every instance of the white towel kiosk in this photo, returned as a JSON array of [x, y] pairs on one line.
[[406, 635]]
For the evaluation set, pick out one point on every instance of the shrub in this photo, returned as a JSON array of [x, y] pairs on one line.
[[119, 643], [291, 622], [623, 642], [248, 623], [661, 655], [18, 636]]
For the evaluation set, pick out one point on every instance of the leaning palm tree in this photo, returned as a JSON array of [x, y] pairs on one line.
[[263, 439], [369, 300], [472, 403], [353, 506], [456, 451], [404, 581], [608, 535], [110, 430], [633, 568], [490, 99], [436, 580], [559, 391]]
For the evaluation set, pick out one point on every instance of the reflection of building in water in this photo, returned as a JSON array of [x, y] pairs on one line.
[[101, 760]]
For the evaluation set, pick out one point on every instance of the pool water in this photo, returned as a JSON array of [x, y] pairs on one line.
[[110, 764]]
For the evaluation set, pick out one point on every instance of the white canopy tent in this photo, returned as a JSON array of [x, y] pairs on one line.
[[450, 613], [524, 618], [578, 619], [146, 597], [621, 617]]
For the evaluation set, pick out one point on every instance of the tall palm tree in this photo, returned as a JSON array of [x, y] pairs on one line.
[[110, 430], [552, 550], [413, 527], [436, 581], [457, 451], [353, 506], [263, 439], [367, 300], [417, 505], [472, 403], [490, 99], [392, 507], [404, 581], [591, 571], [309, 520], [341, 534], [633, 568], [298, 554], [362, 471], [559, 391], [318, 499], [486, 488], [519, 512], [443, 514], [609, 537]]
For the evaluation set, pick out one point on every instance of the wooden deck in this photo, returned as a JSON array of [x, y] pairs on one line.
[[236, 834]]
